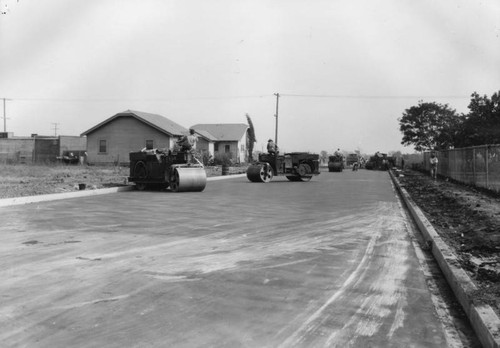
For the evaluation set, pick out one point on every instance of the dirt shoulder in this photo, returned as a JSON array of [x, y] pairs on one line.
[[33, 180], [468, 220]]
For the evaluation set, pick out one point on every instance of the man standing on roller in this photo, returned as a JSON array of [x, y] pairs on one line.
[[188, 144]]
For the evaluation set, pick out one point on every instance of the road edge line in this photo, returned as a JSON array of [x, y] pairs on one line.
[[63, 195], [483, 319]]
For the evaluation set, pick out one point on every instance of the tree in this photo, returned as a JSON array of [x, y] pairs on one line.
[[323, 156], [481, 125], [429, 126], [395, 153], [251, 139]]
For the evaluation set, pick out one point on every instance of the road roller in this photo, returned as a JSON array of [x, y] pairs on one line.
[[295, 166], [167, 169], [336, 163]]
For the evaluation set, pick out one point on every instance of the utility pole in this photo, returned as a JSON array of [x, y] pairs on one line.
[[276, 131], [55, 128], [4, 115]]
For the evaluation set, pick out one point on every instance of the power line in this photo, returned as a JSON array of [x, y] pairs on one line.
[[137, 99], [343, 96], [326, 96]]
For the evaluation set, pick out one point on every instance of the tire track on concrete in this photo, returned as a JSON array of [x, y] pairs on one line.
[[386, 297]]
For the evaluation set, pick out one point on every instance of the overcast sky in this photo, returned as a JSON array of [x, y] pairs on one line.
[[345, 70]]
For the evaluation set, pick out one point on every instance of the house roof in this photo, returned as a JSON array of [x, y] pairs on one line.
[[205, 134], [159, 122], [223, 131]]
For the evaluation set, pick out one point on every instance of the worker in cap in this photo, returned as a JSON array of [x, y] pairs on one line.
[[271, 147]]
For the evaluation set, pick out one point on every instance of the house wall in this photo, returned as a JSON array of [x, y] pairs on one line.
[[38, 149], [46, 150], [234, 149], [123, 135], [204, 145], [242, 147], [72, 144], [211, 148], [18, 150]]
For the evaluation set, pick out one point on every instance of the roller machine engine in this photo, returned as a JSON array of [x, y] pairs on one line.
[[296, 166], [157, 168]]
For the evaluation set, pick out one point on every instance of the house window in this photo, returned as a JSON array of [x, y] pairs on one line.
[[103, 148], [227, 148], [216, 147], [149, 144]]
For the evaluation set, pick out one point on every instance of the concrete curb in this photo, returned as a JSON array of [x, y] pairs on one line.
[[84, 193], [483, 319], [56, 196]]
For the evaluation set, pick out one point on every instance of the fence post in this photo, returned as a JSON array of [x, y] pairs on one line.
[[455, 164], [474, 166], [487, 168]]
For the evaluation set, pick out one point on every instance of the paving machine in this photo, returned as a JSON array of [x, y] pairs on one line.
[[156, 168], [296, 166]]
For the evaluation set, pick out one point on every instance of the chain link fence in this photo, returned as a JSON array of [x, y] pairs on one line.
[[478, 165]]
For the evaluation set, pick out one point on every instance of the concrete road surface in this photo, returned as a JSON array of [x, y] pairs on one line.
[[327, 263]]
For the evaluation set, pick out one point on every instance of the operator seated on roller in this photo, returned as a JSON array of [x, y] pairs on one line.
[[188, 144], [149, 148], [272, 148]]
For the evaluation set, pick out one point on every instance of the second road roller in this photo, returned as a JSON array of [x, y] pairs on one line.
[[295, 166]]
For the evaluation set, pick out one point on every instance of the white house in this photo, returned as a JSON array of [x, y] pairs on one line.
[[228, 138]]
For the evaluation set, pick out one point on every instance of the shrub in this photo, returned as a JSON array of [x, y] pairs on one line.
[[223, 159]]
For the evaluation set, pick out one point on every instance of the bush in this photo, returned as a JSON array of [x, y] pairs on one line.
[[223, 159], [206, 158]]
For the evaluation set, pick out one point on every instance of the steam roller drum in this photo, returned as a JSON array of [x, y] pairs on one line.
[[188, 180], [259, 173]]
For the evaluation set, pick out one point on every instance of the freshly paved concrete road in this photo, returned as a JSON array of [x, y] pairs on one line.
[[282, 264]]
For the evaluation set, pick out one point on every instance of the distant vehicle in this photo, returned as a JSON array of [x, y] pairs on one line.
[[351, 159], [380, 161], [336, 163], [71, 157]]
